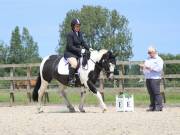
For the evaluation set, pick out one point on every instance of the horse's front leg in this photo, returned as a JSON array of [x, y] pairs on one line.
[[63, 94], [98, 94], [81, 105]]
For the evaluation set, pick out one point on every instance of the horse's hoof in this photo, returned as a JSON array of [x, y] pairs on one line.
[[81, 110], [40, 110], [72, 110], [104, 110]]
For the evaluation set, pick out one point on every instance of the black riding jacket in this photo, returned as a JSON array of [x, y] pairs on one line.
[[74, 45]]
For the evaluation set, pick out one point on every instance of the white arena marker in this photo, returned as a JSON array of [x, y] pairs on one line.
[[124, 103]]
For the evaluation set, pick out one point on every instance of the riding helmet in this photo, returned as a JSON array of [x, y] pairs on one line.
[[74, 22]]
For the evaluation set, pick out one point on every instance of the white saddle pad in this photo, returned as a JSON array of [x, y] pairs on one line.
[[63, 67]]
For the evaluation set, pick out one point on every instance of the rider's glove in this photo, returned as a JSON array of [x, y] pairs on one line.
[[83, 51], [90, 49]]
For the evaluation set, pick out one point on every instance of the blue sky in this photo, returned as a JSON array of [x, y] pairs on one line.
[[152, 22]]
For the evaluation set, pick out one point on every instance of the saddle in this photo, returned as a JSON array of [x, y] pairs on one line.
[[63, 66]]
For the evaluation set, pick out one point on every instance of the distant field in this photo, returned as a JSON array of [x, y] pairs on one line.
[[140, 97]]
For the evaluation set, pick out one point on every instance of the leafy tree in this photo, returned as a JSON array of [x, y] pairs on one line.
[[4, 49], [30, 47], [23, 49], [16, 49], [102, 29], [171, 68]]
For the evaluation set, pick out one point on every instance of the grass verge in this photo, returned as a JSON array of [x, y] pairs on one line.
[[140, 97]]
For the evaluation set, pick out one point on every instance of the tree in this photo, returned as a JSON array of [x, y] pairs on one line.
[[102, 29], [23, 49], [171, 68], [4, 49], [30, 47], [16, 49]]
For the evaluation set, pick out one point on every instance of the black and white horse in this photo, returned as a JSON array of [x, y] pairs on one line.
[[56, 67]]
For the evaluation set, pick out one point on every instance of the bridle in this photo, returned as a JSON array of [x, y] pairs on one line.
[[101, 68], [107, 72]]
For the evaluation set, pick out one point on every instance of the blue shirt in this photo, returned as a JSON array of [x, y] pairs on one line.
[[156, 68]]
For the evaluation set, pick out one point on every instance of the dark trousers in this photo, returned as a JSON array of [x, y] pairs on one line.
[[153, 87]]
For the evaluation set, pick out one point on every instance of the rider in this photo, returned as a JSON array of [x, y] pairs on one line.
[[74, 49]]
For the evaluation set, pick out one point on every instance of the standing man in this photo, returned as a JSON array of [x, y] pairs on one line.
[[152, 69]]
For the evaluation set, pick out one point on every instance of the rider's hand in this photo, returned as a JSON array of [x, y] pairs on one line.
[[90, 49], [83, 51]]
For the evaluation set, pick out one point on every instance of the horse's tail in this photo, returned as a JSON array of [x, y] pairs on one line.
[[36, 88]]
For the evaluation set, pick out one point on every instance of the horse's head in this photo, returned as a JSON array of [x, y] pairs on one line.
[[108, 63]]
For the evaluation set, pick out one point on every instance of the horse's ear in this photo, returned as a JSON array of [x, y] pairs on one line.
[[115, 54], [112, 54]]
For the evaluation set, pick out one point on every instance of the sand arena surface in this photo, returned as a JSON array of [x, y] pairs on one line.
[[23, 120]]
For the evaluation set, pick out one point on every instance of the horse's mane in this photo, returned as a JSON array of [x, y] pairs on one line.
[[97, 55]]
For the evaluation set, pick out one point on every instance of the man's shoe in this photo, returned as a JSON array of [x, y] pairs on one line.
[[150, 110], [158, 109]]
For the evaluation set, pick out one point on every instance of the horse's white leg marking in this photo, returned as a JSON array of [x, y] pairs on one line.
[[63, 94], [103, 105], [43, 86], [41, 91], [81, 105]]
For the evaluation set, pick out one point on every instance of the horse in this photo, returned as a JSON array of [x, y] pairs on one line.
[[22, 84], [55, 66]]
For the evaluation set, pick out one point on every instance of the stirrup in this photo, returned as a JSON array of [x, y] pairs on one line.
[[71, 83]]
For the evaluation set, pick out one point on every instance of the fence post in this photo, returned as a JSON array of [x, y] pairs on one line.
[[162, 90], [12, 98], [162, 87], [29, 84], [121, 80]]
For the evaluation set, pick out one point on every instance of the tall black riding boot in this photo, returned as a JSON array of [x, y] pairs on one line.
[[71, 81]]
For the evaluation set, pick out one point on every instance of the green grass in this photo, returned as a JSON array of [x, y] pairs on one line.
[[140, 97], [4, 96], [173, 97]]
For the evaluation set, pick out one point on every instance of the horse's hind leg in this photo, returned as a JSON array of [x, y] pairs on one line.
[[81, 105], [41, 92], [63, 94]]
